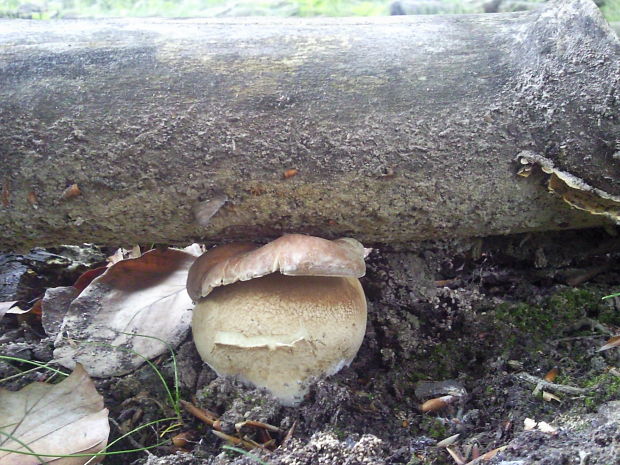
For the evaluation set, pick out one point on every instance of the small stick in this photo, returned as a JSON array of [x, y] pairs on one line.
[[257, 424], [207, 417], [542, 384], [237, 441], [289, 433]]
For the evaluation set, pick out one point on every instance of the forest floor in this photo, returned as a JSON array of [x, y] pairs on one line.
[[481, 321]]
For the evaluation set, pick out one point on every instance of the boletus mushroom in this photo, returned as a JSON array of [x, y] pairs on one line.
[[280, 315]]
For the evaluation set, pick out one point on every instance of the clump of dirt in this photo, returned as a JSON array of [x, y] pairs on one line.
[[479, 321]]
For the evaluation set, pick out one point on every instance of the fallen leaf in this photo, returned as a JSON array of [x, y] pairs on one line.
[[53, 419], [547, 396], [29, 316], [492, 453], [72, 191], [438, 403], [448, 441], [530, 425], [6, 306], [184, 439], [552, 374], [547, 428], [55, 305], [456, 455], [32, 200], [118, 256], [141, 296], [87, 277], [610, 344], [135, 252]]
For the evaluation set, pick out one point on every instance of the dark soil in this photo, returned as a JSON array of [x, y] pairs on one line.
[[470, 318]]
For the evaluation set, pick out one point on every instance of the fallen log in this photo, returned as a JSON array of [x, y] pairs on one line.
[[385, 129]]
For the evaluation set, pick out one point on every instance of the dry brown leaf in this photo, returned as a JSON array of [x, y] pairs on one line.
[[72, 191], [438, 403], [547, 428], [6, 306], [53, 419], [448, 441], [552, 374], [456, 455], [87, 277], [117, 256], [135, 252], [492, 453], [141, 296], [547, 396], [610, 344], [32, 200]]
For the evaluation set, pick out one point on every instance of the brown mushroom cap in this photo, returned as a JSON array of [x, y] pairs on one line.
[[275, 331], [291, 254]]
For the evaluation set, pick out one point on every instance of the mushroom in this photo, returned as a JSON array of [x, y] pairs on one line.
[[281, 315]]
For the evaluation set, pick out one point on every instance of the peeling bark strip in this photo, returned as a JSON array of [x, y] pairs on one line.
[[399, 129]]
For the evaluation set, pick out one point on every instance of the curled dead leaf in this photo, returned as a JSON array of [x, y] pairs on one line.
[[547, 396], [139, 303], [610, 344], [448, 441], [184, 439], [72, 191], [51, 420], [492, 453], [456, 455], [552, 374], [6, 306], [290, 173], [529, 424], [87, 277], [32, 200], [438, 403]]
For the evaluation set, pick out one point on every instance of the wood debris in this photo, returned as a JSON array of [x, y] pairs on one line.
[[542, 384], [242, 437]]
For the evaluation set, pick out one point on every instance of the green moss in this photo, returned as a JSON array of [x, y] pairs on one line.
[[560, 310], [605, 387], [433, 428], [525, 317], [573, 303], [441, 361], [609, 315]]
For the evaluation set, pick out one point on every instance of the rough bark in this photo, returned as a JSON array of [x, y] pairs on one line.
[[401, 128]]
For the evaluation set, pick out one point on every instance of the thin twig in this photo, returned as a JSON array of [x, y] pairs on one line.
[[199, 413], [542, 384]]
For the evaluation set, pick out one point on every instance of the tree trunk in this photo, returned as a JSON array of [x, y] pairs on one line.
[[388, 129]]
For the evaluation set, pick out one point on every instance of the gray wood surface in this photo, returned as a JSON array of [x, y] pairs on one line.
[[400, 128]]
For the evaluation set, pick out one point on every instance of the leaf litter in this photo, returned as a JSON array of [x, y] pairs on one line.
[[53, 419], [443, 334], [104, 325]]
